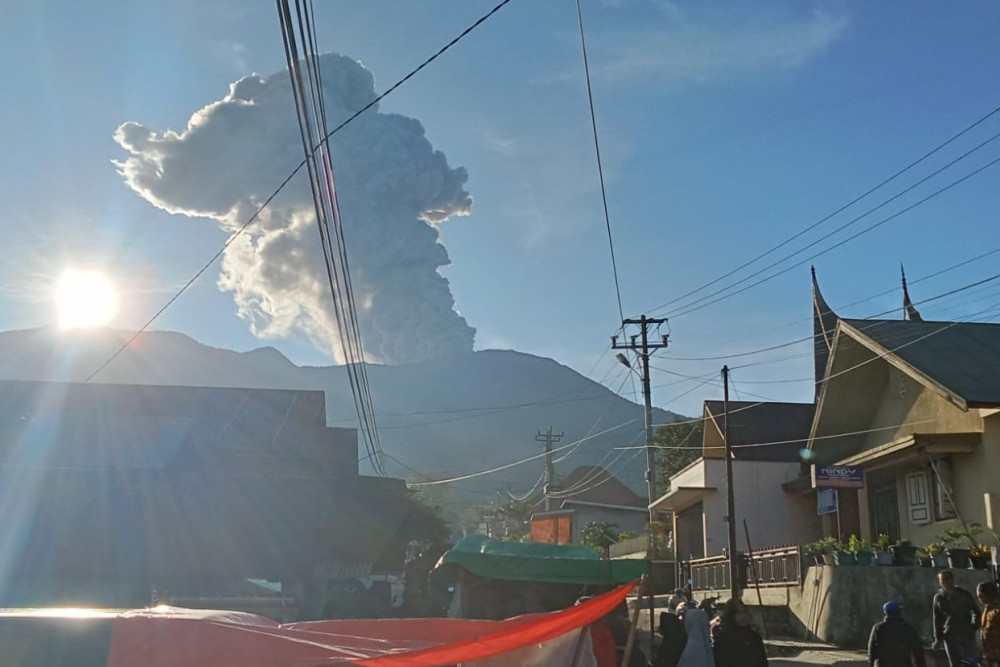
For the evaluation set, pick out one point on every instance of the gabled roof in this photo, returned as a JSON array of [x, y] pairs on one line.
[[824, 327], [751, 424], [962, 358], [594, 484]]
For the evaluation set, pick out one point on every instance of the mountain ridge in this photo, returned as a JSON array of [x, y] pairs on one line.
[[444, 418]]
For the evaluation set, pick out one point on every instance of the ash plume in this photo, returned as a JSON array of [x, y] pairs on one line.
[[394, 190]]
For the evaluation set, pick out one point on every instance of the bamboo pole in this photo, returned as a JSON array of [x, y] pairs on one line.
[[630, 644]]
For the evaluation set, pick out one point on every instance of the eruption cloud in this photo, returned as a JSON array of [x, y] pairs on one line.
[[394, 191]]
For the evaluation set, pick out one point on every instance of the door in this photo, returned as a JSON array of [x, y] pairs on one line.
[[884, 509]]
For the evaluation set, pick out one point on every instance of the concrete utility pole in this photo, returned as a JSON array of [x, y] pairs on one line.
[[734, 587], [549, 438], [640, 343]]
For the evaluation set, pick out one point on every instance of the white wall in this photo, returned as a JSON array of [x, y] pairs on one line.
[[773, 517]]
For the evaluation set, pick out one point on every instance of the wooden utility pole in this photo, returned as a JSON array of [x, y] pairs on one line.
[[640, 343], [734, 587], [549, 438]]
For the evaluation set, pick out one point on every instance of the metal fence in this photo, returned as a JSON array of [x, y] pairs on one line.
[[778, 566]]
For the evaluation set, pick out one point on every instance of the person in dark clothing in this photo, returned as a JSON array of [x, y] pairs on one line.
[[735, 642], [894, 642], [673, 643], [956, 619]]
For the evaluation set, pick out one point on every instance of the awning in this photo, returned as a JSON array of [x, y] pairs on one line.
[[682, 497], [913, 446]]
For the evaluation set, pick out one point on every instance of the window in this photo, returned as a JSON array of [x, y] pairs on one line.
[[943, 490], [928, 494], [918, 498]]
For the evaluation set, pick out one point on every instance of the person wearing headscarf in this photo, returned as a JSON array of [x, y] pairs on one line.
[[674, 640], [736, 643], [698, 650]]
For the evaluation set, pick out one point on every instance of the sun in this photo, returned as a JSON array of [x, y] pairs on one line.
[[85, 299]]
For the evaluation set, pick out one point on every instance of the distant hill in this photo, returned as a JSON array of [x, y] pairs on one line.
[[443, 418]]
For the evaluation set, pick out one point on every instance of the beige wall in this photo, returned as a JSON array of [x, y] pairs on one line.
[[906, 401], [773, 517], [974, 475]]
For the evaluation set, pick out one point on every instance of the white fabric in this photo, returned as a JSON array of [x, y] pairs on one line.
[[698, 651]]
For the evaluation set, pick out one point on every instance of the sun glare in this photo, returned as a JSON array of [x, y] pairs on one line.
[[85, 299]]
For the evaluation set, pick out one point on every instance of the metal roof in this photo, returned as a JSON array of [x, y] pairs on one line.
[[961, 357], [754, 424]]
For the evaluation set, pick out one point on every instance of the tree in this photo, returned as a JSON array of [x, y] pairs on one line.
[[682, 441], [423, 522], [600, 535]]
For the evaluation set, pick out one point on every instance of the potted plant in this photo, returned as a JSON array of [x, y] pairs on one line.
[[904, 553], [981, 556], [863, 554], [936, 556], [955, 540], [843, 554], [827, 546], [882, 554]]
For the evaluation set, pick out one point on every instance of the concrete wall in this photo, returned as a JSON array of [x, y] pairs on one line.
[[906, 401], [839, 605]]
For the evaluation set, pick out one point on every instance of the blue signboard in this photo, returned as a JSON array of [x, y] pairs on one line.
[[849, 477], [826, 501]]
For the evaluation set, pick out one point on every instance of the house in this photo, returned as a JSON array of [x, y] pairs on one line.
[[587, 494], [916, 405], [766, 438], [113, 495]]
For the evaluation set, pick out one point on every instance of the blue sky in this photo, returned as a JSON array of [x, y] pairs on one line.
[[724, 130]]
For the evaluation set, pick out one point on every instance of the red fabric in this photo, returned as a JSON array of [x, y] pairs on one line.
[[605, 648], [172, 637]]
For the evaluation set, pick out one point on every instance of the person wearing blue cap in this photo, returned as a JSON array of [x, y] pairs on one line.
[[894, 642]]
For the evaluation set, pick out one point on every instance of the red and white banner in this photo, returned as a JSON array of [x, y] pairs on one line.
[[170, 637]]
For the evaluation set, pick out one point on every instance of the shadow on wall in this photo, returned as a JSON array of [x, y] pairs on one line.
[[839, 605]]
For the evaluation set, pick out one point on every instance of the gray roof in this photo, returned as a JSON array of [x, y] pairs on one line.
[[755, 423], [962, 357]]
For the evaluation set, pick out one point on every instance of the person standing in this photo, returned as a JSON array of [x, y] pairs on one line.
[[894, 642], [989, 596], [698, 650], [956, 619], [736, 643], [674, 640]]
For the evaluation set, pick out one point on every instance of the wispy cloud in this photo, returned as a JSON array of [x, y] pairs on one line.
[[683, 47]]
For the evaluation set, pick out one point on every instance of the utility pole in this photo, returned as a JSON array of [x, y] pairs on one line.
[[640, 343], [734, 587], [550, 468]]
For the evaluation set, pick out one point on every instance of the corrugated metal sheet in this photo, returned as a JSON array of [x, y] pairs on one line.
[[963, 357]]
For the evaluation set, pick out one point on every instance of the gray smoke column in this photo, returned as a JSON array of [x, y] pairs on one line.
[[394, 190]]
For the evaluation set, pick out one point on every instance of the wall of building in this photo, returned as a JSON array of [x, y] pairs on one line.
[[773, 517], [922, 410]]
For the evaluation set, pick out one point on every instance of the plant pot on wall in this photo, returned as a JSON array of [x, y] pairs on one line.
[[981, 562], [828, 559], [939, 560], [883, 558], [904, 555], [841, 557], [958, 559], [865, 557]]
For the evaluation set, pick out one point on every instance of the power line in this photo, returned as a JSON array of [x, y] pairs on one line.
[[597, 151], [260, 209], [836, 212], [695, 306]]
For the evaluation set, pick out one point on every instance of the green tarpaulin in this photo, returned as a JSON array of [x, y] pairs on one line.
[[534, 561]]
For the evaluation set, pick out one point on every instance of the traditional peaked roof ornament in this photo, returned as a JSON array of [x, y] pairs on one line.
[[910, 311], [824, 327]]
